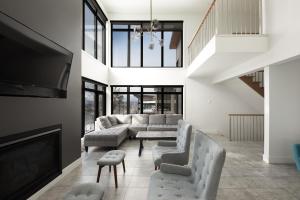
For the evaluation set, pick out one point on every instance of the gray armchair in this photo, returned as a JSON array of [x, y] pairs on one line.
[[198, 182], [174, 152]]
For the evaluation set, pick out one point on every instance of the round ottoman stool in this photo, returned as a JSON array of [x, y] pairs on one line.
[[90, 191], [111, 158]]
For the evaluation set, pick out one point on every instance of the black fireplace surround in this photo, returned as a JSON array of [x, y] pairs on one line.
[[29, 161]]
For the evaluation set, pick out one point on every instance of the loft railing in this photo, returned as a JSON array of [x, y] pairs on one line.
[[227, 17], [246, 127]]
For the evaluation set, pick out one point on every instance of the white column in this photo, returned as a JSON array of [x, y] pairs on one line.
[[282, 111]]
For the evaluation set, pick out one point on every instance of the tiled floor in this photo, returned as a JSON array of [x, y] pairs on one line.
[[245, 176]]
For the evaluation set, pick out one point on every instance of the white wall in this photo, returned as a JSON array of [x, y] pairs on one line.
[[93, 68], [283, 29], [208, 105], [282, 111]]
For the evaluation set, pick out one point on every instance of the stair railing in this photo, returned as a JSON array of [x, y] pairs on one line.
[[246, 127], [227, 17]]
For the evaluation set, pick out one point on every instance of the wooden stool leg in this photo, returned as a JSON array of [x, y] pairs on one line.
[[99, 172], [115, 174], [123, 162], [109, 168]]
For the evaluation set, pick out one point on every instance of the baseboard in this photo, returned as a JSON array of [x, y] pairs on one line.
[[278, 159], [65, 172]]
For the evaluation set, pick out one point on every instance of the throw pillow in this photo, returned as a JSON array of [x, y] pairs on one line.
[[113, 120], [105, 122]]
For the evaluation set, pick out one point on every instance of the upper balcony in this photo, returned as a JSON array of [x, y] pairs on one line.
[[230, 33]]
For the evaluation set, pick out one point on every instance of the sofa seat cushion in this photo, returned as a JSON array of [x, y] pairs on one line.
[[157, 119], [161, 127], [120, 126], [134, 129], [91, 191], [106, 137], [157, 152], [171, 186], [172, 119], [140, 119]]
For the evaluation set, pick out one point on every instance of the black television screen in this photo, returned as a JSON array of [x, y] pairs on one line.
[[31, 64]]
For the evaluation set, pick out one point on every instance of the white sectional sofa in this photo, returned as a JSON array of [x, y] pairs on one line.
[[111, 131]]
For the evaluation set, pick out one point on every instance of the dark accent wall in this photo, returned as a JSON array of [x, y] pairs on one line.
[[60, 21]]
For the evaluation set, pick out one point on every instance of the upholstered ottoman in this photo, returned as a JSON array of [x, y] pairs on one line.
[[90, 191], [111, 158]]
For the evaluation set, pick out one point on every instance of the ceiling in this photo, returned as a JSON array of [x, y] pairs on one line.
[[159, 6]]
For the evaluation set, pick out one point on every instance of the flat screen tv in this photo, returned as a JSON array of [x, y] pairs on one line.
[[31, 64]]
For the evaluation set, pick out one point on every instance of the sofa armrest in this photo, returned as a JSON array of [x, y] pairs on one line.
[[167, 143], [175, 169]]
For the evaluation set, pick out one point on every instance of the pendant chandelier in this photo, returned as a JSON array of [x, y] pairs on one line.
[[153, 26]]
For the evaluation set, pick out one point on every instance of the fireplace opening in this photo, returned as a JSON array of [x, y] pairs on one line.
[[29, 161]]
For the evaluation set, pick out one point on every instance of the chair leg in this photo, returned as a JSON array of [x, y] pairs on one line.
[[109, 168], [123, 162], [155, 167], [86, 148], [115, 174], [99, 172]]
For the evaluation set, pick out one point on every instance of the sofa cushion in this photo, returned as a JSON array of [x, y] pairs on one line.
[[140, 119], [106, 137], [123, 119], [105, 123], [172, 119], [157, 119], [161, 127], [113, 120]]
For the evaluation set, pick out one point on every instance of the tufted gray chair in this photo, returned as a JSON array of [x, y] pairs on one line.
[[174, 152], [200, 181]]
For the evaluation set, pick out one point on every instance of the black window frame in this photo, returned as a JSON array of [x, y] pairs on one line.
[[97, 94], [161, 93], [129, 30], [100, 17]]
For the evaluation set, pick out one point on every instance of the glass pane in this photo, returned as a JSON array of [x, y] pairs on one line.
[[172, 104], [120, 48], [100, 42], [101, 88], [120, 26], [135, 89], [120, 104], [101, 105], [151, 104], [153, 89], [89, 85], [152, 57], [173, 89], [119, 89], [89, 31], [135, 50], [135, 103], [89, 112], [172, 49]]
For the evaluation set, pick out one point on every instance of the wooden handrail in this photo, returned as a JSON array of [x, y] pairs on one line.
[[203, 21], [246, 114]]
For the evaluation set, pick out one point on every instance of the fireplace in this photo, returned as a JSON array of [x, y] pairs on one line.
[[28, 161]]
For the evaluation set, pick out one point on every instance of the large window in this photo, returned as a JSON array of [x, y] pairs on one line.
[[93, 103], [147, 99], [94, 30], [130, 51]]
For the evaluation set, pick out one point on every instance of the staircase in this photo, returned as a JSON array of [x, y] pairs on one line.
[[255, 81]]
